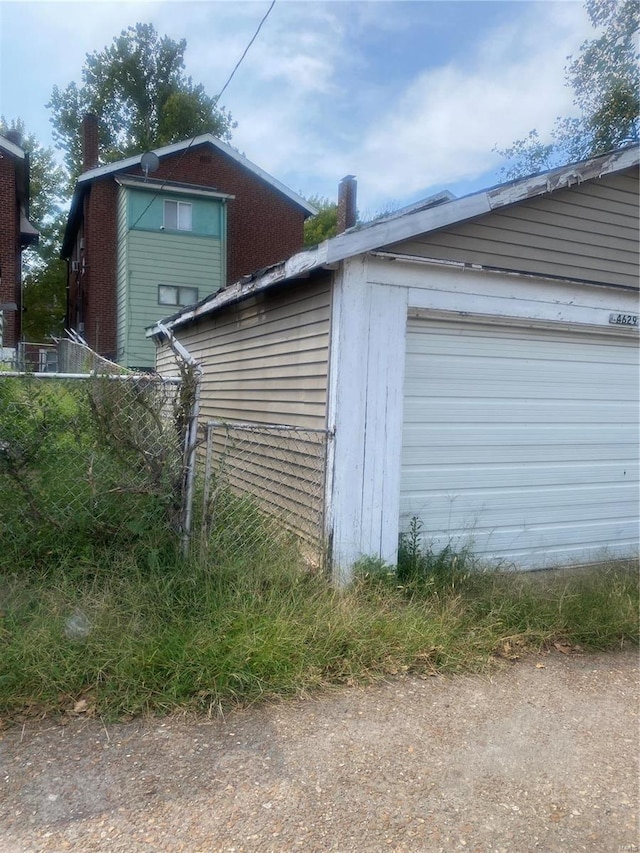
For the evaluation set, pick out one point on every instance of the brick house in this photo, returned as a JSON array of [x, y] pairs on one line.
[[201, 216], [16, 233]]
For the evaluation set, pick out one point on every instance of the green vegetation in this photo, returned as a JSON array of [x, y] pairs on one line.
[[83, 463], [98, 610], [127, 630], [605, 78], [138, 89], [324, 224]]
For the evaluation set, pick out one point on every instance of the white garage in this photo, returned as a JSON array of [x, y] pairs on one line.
[[473, 363], [521, 441]]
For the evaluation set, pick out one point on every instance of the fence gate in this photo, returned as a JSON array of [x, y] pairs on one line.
[[264, 483]]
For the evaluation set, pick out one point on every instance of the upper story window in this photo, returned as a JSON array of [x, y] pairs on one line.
[[174, 294], [177, 215]]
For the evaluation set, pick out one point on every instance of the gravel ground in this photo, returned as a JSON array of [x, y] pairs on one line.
[[541, 756]]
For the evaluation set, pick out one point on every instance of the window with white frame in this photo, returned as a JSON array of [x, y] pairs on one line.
[[177, 215], [177, 294]]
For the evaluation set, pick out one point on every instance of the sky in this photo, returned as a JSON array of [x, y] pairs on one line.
[[410, 97]]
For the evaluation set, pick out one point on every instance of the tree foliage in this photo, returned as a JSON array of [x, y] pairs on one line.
[[44, 274], [324, 224], [605, 79], [143, 99]]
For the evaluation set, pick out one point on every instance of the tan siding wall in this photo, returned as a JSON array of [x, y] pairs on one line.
[[589, 232], [166, 362], [265, 359]]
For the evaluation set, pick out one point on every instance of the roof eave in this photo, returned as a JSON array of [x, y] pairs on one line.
[[297, 266]]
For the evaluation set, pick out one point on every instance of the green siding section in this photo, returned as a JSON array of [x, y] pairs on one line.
[[164, 258], [121, 275], [207, 214]]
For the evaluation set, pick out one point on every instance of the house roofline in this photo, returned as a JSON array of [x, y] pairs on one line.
[[11, 148], [86, 178], [404, 227], [203, 139]]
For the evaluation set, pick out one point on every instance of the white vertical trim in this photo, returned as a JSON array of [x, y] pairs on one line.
[[368, 331], [383, 424]]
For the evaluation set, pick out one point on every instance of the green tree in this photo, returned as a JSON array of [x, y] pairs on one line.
[[605, 79], [44, 274], [324, 224], [139, 91]]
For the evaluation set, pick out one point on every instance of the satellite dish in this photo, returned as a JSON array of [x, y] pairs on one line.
[[149, 163]]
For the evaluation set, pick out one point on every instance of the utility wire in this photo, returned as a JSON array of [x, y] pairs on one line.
[[193, 139], [246, 50]]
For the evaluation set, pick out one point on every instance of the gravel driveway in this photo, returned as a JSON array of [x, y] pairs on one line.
[[541, 756]]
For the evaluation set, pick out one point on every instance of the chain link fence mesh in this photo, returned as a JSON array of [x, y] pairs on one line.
[[101, 456], [263, 484]]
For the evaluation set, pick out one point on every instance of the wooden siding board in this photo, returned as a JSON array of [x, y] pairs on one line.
[[266, 361], [478, 240], [621, 228]]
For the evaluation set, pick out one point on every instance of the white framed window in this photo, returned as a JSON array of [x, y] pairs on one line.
[[177, 294], [177, 215]]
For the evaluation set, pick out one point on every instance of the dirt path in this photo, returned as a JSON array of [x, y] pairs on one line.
[[540, 757]]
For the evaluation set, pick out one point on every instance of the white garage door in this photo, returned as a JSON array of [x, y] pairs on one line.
[[521, 442]]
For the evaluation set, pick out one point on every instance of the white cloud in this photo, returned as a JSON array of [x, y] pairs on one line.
[[444, 127], [328, 89]]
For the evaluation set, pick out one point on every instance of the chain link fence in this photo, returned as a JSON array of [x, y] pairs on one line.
[[98, 456], [263, 485]]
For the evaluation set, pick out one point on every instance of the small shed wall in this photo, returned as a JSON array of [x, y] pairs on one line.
[[265, 361]]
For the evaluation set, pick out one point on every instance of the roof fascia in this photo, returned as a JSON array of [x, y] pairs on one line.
[[468, 207]]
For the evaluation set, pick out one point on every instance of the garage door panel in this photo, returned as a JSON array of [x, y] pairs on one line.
[[524, 441], [583, 539], [493, 514], [455, 477], [545, 350], [473, 454], [453, 410], [519, 435]]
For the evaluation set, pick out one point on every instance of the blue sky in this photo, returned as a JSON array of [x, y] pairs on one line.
[[411, 97]]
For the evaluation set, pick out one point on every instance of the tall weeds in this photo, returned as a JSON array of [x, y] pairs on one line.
[[146, 632]]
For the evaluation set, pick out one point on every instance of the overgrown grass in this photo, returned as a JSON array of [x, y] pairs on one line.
[[132, 631]]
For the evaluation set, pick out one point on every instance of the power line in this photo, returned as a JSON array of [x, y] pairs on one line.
[[193, 139], [246, 50]]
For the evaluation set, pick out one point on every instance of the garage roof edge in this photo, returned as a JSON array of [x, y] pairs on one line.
[[355, 242]]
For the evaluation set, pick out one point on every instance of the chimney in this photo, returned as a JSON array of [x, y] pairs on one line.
[[14, 136], [347, 189], [89, 142]]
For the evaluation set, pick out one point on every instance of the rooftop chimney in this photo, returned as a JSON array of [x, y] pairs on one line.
[[89, 142], [14, 136], [347, 189]]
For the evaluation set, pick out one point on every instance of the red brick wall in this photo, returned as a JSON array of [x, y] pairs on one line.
[[98, 281], [263, 227], [92, 287], [9, 250]]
